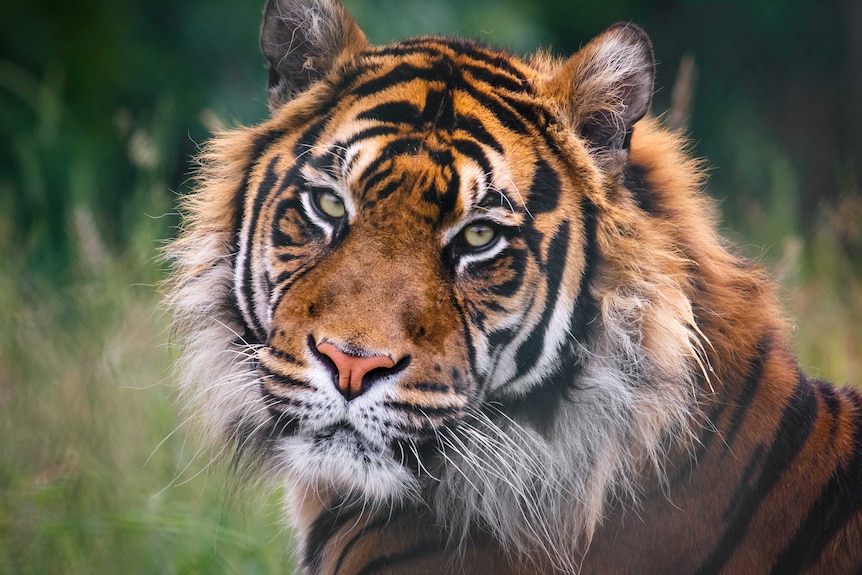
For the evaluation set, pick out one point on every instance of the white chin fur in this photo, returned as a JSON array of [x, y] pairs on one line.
[[342, 464]]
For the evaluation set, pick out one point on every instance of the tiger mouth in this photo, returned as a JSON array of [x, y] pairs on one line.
[[341, 435]]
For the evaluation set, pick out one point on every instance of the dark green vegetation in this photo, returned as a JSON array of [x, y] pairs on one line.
[[102, 105]]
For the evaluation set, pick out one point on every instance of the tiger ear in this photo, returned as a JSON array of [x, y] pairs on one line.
[[303, 40], [607, 86]]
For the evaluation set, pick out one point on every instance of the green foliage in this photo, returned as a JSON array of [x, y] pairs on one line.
[[96, 472]]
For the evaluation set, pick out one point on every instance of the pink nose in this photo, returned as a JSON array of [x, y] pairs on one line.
[[352, 368]]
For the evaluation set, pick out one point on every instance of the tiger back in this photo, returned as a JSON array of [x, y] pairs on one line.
[[472, 309]]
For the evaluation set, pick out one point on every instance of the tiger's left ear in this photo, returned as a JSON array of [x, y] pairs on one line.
[[303, 40], [607, 86]]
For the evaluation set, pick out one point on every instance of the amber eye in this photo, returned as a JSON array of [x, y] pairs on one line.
[[479, 235], [330, 204]]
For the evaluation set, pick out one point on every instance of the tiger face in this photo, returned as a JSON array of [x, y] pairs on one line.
[[419, 280], [415, 260]]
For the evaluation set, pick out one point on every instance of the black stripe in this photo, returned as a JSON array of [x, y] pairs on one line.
[[494, 79], [407, 146], [284, 380], [282, 355], [431, 47], [282, 209], [392, 186], [796, 425], [367, 134], [544, 189], [395, 562], [541, 403], [258, 148], [439, 109], [379, 523], [400, 74], [501, 108], [516, 266], [749, 388], [586, 309], [839, 501], [468, 339], [476, 129], [329, 522], [531, 350], [473, 151], [710, 431], [270, 179], [428, 386], [286, 279], [310, 136], [397, 112]]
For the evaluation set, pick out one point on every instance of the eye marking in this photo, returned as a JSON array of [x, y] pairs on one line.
[[478, 241], [325, 208]]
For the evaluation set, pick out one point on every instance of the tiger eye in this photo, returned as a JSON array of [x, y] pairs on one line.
[[479, 235], [331, 205]]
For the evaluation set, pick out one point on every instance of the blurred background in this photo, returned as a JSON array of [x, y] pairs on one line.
[[103, 104]]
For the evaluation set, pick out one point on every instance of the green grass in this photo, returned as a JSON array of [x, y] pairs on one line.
[[96, 473]]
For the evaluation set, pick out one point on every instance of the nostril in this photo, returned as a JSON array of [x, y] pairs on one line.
[[324, 359], [355, 371], [375, 375]]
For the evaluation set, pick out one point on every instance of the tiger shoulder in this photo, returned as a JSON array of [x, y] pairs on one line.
[[473, 311]]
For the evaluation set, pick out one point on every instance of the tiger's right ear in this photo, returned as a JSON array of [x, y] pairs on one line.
[[303, 40]]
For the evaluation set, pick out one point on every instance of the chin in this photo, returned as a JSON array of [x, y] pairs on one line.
[[339, 459]]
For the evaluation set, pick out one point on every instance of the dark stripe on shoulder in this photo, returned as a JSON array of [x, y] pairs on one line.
[[793, 432], [710, 431], [749, 387], [379, 523], [839, 501]]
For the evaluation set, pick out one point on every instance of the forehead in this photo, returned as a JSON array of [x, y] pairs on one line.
[[443, 116]]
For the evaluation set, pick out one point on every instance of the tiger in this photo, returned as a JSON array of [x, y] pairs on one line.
[[473, 312]]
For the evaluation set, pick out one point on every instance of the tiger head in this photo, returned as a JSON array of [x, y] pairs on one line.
[[440, 274]]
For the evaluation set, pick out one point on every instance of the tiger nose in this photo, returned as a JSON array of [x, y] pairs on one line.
[[353, 368]]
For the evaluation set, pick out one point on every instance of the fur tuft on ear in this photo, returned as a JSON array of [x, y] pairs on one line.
[[303, 40], [607, 86]]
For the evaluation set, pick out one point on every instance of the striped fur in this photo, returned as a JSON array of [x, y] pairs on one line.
[[598, 386]]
